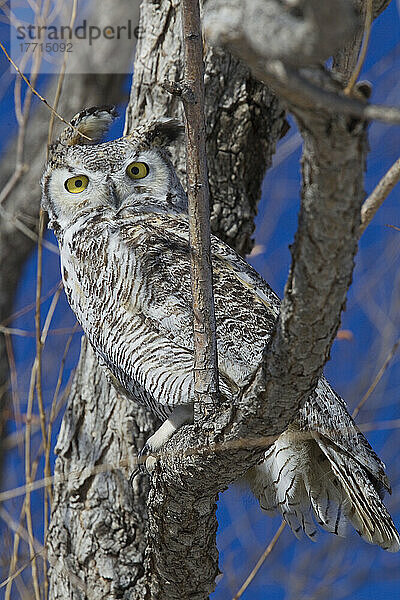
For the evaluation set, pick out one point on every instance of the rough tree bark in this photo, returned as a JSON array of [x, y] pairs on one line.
[[98, 525]]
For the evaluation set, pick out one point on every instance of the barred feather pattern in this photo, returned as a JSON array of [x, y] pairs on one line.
[[311, 482], [125, 263]]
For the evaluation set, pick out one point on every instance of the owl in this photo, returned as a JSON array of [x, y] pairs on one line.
[[119, 213]]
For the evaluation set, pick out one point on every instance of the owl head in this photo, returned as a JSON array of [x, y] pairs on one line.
[[135, 170]]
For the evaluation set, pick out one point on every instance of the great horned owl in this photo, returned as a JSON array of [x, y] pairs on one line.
[[119, 213]]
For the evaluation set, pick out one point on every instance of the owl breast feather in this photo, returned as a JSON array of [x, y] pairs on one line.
[[128, 282]]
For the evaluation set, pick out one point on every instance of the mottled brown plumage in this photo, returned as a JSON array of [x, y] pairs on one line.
[[119, 213]]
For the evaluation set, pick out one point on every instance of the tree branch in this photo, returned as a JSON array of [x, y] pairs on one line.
[[304, 88], [241, 113], [205, 367], [345, 59], [378, 196], [301, 33]]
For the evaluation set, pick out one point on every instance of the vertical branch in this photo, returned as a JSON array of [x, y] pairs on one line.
[[205, 349], [39, 390], [29, 479]]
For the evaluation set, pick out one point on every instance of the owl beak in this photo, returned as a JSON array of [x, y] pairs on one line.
[[115, 200]]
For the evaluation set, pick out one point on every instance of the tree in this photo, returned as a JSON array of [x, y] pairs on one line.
[[252, 116], [97, 538]]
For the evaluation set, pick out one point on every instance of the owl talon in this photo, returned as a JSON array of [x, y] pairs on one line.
[[146, 462], [150, 464], [133, 475]]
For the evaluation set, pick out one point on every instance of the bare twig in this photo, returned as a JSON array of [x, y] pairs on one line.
[[377, 197], [60, 80], [34, 485], [297, 89], [53, 411], [16, 527], [28, 308], [13, 378], [13, 180], [11, 440], [39, 390], [49, 316], [205, 355], [30, 334], [380, 425], [30, 471], [262, 442], [40, 551], [15, 574], [377, 379], [25, 230], [39, 342], [260, 561], [17, 536], [28, 477], [34, 91]]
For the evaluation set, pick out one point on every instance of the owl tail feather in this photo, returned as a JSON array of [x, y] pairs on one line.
[[309, 481]]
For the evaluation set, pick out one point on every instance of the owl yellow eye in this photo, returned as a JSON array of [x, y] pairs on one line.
[[77, 184], [137, 170]]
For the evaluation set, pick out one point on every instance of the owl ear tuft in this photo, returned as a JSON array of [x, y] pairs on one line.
[[92, 122], [163, 132]]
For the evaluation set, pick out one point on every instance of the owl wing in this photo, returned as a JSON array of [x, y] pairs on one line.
[[246, 309], [326, 413], [245, 313], [333, 472], [146, 337]]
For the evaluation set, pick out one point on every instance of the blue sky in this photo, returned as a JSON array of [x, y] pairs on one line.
[[372, 318]]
